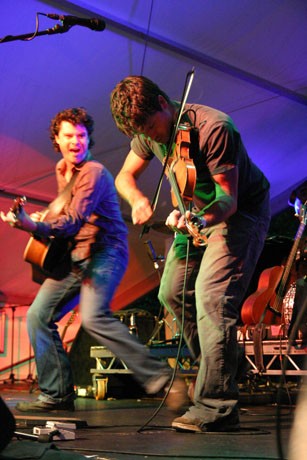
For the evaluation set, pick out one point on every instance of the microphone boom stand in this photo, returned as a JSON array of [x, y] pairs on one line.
[[57, 29]]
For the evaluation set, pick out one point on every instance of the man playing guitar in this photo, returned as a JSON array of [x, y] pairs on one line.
[[90, 218]]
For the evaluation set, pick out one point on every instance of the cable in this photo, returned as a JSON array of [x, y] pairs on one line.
[[142, 428], [36, 29], [165, 455], [283, 377], [146, 41]]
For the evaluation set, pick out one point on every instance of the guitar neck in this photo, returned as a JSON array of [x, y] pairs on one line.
[[175, 188], [287, 269]]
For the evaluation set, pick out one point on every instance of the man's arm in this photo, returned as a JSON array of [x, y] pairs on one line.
[[224, 205], [22, 220], [126, 185]]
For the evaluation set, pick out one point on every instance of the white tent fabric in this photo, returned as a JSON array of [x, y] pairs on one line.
[[249, 58]]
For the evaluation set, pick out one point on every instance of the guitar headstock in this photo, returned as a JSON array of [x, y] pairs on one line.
[[18, 204], [300, 210], [303, 217]]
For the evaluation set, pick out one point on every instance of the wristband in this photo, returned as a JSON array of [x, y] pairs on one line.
[[203, 223], [200, 222]]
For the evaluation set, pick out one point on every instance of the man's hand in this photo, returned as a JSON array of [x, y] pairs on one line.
[[37, 216], [10, 218], [141, 211], [22, 220], [176, 222]]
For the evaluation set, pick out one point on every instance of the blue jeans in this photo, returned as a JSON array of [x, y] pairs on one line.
[[215, 280], [92, 284]]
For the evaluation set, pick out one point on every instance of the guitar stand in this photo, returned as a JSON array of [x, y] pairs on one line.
[[12, 380]]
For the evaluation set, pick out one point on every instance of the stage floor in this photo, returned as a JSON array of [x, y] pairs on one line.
[[126, 429]]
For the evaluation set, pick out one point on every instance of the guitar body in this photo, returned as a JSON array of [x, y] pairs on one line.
[[36, 252], [48, 256], [265, 296], [265, 305]]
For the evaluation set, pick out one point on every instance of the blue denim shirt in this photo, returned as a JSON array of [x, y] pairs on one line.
[[92, 218]]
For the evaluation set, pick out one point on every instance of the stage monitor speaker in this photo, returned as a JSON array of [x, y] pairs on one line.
[[7, 425]]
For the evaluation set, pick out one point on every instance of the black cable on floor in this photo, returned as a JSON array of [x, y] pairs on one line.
[[142, 428], [291, 341]]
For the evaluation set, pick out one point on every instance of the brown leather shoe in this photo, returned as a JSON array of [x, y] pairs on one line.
[[44, 406], [177, 394], [191, 390], [229, 423]]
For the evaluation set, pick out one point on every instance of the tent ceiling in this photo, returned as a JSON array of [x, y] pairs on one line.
[[249, 60]]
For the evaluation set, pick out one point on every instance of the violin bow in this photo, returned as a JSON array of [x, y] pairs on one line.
[[185, 94]]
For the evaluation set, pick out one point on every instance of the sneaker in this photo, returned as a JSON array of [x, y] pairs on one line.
[[44, 406], [225, 424], [177, 394]]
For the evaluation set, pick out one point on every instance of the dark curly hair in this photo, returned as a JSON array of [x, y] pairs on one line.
[[133, 100], [75, 116]]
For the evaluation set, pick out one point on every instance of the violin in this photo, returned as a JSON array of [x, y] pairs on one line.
[[182, 165], [180, 169], [181, 173]]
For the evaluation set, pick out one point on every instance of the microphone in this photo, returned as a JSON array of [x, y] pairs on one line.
[[152, 253], [93, 24]]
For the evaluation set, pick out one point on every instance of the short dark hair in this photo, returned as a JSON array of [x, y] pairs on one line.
[[75, 116], [133, 100]]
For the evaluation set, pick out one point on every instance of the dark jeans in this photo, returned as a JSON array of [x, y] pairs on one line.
[[215, 283], [96, 281]]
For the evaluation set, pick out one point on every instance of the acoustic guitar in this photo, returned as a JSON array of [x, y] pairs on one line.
[[48, 256], [265, 305]]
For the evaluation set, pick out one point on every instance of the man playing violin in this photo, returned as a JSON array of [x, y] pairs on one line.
[[202, 285]]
